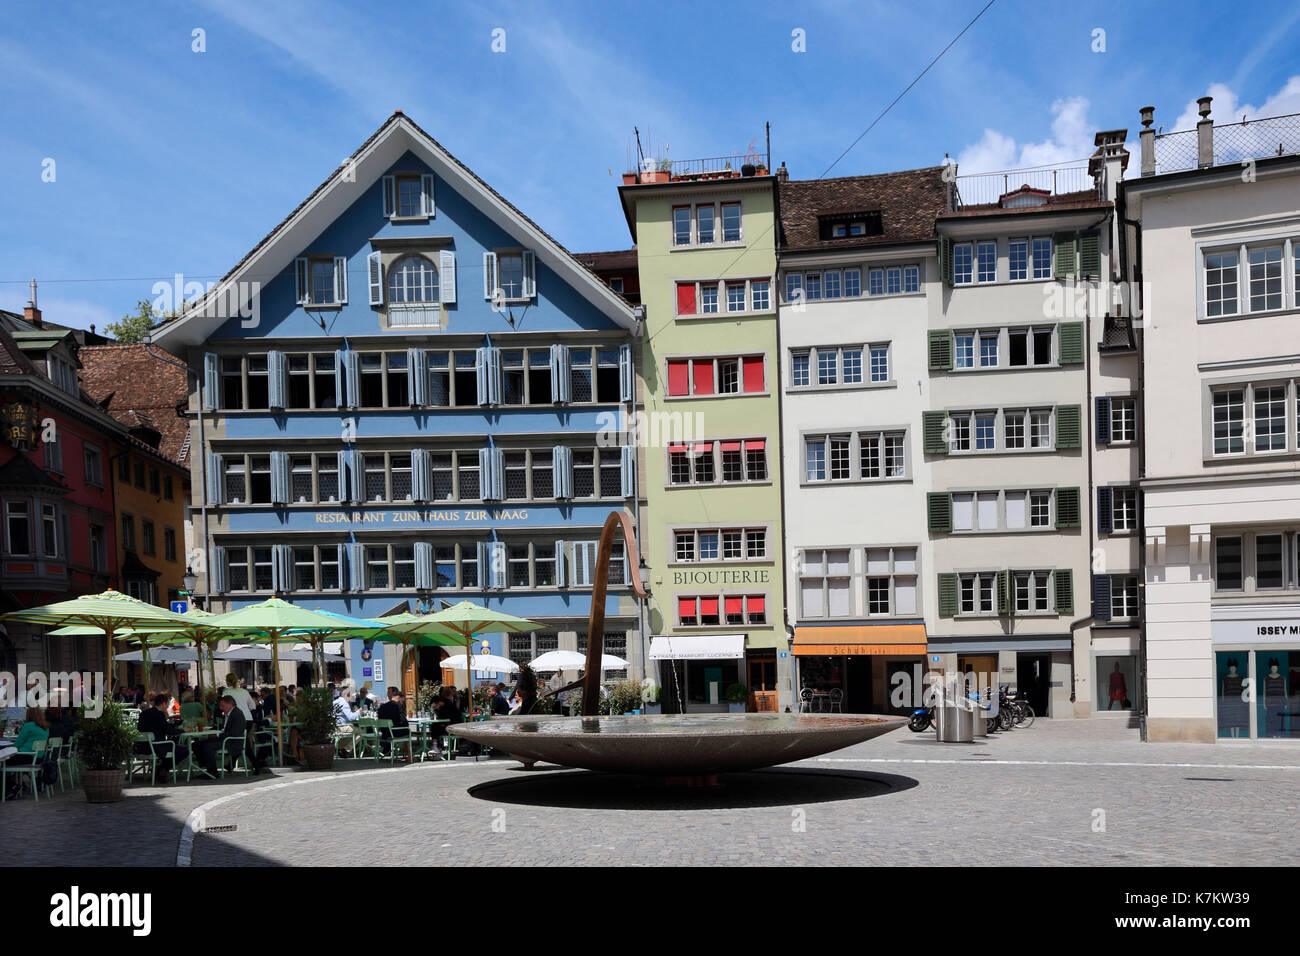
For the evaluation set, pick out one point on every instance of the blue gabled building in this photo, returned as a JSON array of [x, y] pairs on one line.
[[409, 392]]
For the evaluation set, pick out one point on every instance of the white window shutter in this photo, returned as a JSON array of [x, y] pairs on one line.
[[423, 565], [626, 378], [343, 476], [375, 271], [390, 197], [417, 369], [498, 474], [340, 280], [530, 274], [216, 478], [629, 470], [447, 277], [562, 471], [356, 566], [489, 275], [498, 565], [561, 385], [485, 473], [279, 477], [421, 474], [276, 370], [352, 374], [481, 375], [584, 560], [494, 375], [211, 381], [340, 380], [559, 564], [484, 564], [426, 194], [302, 273]]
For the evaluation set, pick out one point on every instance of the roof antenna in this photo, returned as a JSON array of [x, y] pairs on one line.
[[32, 284]]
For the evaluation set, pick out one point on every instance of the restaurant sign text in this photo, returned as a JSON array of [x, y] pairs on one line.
[[420, 516]]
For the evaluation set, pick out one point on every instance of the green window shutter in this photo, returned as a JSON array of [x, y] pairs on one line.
[[1067, 507], [1064, 580], [1069, 426], [947, 594], [940, 350], [1065, 266], [932, 427], [1069, 344], [1004, 592], [1090, 254], [945, 260], [938, 506]]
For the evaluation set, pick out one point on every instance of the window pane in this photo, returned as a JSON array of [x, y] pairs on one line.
[[1227, 564], [1268, 561]]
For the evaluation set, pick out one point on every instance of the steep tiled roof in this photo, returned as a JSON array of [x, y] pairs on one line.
[[138, 390], [1061, 202], [606, 261], [12, 359], [908, 202]]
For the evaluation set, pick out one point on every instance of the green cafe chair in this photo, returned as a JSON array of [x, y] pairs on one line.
[[32, 770], [368, 738]]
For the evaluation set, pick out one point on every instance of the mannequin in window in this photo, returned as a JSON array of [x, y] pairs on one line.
[[1275, 701], [1233, 714], [1118, 689]]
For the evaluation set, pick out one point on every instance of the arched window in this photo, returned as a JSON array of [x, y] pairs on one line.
[[412, 279]]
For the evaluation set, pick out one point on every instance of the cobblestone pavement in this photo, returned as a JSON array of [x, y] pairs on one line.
[[1060, 793]]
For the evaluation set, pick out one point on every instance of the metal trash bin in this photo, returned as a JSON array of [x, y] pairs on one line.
[[980, 715], [956, 722]]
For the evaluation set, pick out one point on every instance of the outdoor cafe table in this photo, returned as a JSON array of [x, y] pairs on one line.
[[188, 737]]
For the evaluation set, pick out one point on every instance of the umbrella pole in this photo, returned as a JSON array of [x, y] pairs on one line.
[[148, 677], [275, 676], [198, 665], [469, 676], [108, 634]]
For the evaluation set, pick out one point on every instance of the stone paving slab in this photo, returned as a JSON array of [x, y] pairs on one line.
[[1042, 798]]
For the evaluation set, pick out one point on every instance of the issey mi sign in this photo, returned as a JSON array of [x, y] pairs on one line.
[[1258, 631]]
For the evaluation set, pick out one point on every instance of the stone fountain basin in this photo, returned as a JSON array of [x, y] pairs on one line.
[[675, 745]]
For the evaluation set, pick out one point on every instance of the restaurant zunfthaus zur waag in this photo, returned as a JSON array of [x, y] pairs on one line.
[[408, 410]]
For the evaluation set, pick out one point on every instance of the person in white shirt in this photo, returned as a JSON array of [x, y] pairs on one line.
[[242, 698]]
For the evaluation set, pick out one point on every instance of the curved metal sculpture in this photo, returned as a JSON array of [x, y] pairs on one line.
[[590, 682]]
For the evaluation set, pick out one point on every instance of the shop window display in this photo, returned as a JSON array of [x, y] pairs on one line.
[[1117, 683], [1233, 691], [1276, 699]]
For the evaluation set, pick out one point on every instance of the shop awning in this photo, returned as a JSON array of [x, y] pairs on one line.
[[694, 647], [861, 639]]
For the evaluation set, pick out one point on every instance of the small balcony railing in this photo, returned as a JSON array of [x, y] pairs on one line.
[[406, 315]]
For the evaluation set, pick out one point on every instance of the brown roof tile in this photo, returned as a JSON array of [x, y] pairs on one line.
[[908, 202], [138, 390]]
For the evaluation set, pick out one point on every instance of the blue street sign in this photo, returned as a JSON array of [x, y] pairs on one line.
[[180, 607], [784, 654], [935, 658]]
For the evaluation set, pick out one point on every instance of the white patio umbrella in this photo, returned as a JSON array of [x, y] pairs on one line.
[[490, 663], [572, 661]]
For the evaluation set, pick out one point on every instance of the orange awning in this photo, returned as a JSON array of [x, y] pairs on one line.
[[860, 639]]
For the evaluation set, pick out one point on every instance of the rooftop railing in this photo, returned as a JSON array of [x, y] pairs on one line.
[[1233, 142], [977, 189]]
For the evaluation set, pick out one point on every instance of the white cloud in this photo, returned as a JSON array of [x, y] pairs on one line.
[[1071, 140], [1226, 107]]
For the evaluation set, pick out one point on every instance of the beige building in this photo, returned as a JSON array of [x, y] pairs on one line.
[[1215, 242]]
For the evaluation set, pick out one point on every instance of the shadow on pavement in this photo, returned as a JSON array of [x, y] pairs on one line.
[[775, 787]]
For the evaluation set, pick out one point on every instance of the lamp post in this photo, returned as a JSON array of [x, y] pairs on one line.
[[191, 581]]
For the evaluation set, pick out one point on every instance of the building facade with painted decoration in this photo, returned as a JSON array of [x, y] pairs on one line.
[[408, 393]]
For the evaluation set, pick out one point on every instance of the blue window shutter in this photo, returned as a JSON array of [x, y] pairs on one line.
[[484, 565], [279, 477], [340, 280], [561, 386], [489, 275], [447, 277], [530, 274], [1101, 597], [426, 194], [626, 378], [417, 370], [356, 475], [211, 381], [421, 474], [356, 566], [1103, 421], [343, 478], [340, 380], [279, 583], [498, 565], [498, 474], [301, 273], [562, 471], [485, 473], [375, 276], [494, 375], [559, 564], [423, 565], [275, 374], [1104, 511], [481, 375], [217, 578], [216, 476], [352, 372], [390, 196], [629, 470]]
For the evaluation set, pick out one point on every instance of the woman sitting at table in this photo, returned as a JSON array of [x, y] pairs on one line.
[[34, 728]]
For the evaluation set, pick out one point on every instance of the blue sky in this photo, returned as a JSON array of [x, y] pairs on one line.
[[168, 160]]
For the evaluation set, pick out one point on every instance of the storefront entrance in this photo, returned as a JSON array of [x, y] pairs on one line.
[[1257, 693], [762, 681], [1033, 681]]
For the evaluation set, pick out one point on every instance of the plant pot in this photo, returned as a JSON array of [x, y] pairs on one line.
[[629, 179], [655, 708], [747, 169], [735, 706], [318, 756], [103, 786], [657, 176]]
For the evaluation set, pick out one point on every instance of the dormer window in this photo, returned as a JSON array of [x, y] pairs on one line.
[[850, 225]]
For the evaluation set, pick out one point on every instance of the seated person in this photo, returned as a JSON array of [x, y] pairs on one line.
[[498, 704], [394, 709], [34, 728], [233, 725], [191, 710], [153, 720]]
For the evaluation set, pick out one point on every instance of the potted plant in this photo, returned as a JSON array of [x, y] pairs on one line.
[[105, 745], [625, 697], [661, 172], [650, 698], [737, 695], [629, 179], [424, 695], [313, 709]]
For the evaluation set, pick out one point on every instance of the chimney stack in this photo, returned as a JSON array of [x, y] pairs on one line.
[[1148, 137], [783, 174], [1108, 163], [1204, 134], [31, 313]]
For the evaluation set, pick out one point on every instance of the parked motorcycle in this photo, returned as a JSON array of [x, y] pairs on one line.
[[921, 720]]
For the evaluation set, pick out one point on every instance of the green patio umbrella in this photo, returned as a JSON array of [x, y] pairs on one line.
[[464, 621], [108, 613], [277, 621], [416, 630], [357, 627]]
